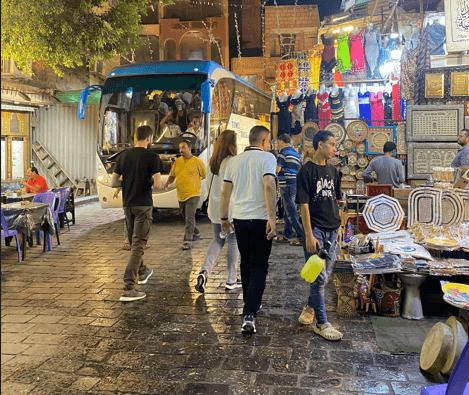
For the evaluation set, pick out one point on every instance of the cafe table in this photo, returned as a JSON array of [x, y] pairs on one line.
[[18, 198], [27, 219]]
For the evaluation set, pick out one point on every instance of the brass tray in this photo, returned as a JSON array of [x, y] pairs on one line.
[[357, 131], [338, 130], [309, 130]]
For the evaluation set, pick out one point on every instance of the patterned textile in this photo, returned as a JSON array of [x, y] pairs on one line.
[[287, 76], [357, 53], [304, 75], [315, 66]]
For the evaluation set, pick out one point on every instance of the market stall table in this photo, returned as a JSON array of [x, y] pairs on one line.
[[27, 219], [18, 198]]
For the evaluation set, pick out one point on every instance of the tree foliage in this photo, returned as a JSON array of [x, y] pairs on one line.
[[65, 32]]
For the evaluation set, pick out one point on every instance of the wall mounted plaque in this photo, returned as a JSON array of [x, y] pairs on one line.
[[342, 153], [459, 84], [423, 157], [456, 23], [401, 145], [361, 148], [362, 161], [359, 174], [348, 145], [348, 186], [334, 161], [357, 131], [352, 159], [360, 187], [345, 170], [377, 137], [309, 130], [434, 123], [434, 85], [338, 130], [348, 178]]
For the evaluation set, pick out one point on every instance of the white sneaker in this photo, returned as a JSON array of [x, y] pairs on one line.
[[236, 285]]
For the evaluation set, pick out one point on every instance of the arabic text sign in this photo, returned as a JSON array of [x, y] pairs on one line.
[[457, 25]]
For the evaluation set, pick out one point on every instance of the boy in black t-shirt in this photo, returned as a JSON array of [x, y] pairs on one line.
[[140, 169], [318, 190]]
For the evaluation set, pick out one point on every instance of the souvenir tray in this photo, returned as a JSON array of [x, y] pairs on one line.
[[342, 153], [383, 213], [457, 291], [424, 206], [441, 244], [352, 159], [348, 145], [357, 131], [401, 145], [309, 130], [464, 196], [360, 187], [361, 148], [359, 174], [362, 161], [348, 178], [377, 137], [345, 170], [452, 208], [334, 161], [337, 130]]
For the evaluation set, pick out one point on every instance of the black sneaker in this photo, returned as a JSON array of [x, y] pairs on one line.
[[249, 325], [143, 279], [201, 281], [236, 285]]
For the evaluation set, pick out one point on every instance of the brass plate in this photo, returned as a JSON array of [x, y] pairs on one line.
[[348, 178], [348, 145], [459, 84], [401, 145], [334, 161], [362, 162], [352, 159], [342, 153], [361, 148], [359, 174], [345, 170], [309, 130], [338, 130], [435, 85], [357, 131], [348, 185], [377, 137]]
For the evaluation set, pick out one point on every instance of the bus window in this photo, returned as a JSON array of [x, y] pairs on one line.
[[221, 107]]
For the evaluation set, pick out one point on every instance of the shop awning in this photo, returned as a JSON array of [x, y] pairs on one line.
[[72, 97]]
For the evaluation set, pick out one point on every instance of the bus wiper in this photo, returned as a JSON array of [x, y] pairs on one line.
[[113, 156]]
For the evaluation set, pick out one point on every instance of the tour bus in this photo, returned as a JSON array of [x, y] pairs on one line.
[[194, 100]]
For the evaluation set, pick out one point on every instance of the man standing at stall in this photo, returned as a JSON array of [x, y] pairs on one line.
[[462, 157], [188, 171], [36, 183], [388, 169], [318, 190]]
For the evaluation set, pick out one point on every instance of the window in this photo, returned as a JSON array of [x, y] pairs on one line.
[[287, 44], [252, 79], [15, 145], [215, 52], [170, 50]]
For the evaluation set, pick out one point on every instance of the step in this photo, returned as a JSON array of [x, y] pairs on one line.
[[44, 157], [57, 172], [50, 165]]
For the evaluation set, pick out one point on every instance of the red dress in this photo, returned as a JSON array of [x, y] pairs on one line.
[[357, 53], [324, 109], [377, 108]]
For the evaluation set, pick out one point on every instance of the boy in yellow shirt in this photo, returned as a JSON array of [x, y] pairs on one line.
[[188, 171]]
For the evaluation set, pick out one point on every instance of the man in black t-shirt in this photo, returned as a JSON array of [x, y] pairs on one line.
[[318, 190], [140, 169]]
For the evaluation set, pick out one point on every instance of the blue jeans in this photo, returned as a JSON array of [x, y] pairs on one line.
[[292, 220], [316, 295]]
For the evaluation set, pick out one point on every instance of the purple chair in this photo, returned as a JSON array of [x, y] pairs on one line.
[[8, 233], [52, 199], [458, 382], [64, 194]]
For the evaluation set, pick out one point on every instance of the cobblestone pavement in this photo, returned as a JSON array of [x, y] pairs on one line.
[[65, 332]]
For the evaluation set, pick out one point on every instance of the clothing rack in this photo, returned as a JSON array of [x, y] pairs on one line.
[[353, 82]]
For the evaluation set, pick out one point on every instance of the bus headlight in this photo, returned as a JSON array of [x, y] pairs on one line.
[[100, 167], [103, 179]]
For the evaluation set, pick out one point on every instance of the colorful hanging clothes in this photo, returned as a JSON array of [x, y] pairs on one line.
[[311, 109], [343, 54], [377, 108], [283, 116], [350, 104], [287, 75], [338, 79], [328, 61], [324, 109], [303, 75], [408, 72], [387, 107], [364, 107], [297, 116], [357, 53], [315, 66], [337, 106], [396, 110], [385, 56], [372, 42]]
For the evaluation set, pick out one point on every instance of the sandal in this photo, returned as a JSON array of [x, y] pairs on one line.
[[147, 246], [328, 333], [281, 239], [296, 242], [307, 316]]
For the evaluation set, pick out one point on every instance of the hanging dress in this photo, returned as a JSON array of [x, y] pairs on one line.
[[357, 54], [315, 59], [343, 54], [385, 56], [283, 116], [377, 108], [372, 43], [396, 107], [324, 109], [297, 116], [328, 61], [364, 108], [337, 106], [311, 110], [387, 107], [408, 72], [350, 104]]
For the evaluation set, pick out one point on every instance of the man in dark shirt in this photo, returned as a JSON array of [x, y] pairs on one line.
[[318, 190], [140, 170]]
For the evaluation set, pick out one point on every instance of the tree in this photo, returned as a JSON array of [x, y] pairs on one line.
[[65, 32]]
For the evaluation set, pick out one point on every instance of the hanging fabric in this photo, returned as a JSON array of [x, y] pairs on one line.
[[287, 75], [396, 111], [387, 107], [364, 105], [297, 116], [372, 40], [343, 54], [337, 106], [350, 104], [283, 116], [324, 109], [357, 53], [311, 109], [315, 65], [377, 108]]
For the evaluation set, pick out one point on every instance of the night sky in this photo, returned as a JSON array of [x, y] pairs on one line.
[[326, 7]]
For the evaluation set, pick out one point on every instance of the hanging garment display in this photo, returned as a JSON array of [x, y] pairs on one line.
[[328, 61], [408, 71], [437, 38], [350, 104], [304, 73], [311, 109], [283, 116], [396, 109], [387, 99], [364, 105], [324, 109], [377, 108], [357, 54], [343, 54], [297, 116], [372, 40], [337, 105], [287, 75], [315, 59]]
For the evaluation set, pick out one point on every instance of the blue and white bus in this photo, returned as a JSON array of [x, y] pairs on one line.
[[202, 98]]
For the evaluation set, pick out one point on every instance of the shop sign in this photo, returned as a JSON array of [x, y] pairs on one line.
[[457, 25]]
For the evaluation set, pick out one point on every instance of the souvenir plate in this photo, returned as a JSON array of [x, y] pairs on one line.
[[348, 145], [377, 137], [452, 208], [348, 178], [361, 148], [383, 213], [457, 291], [359, 174], [357, 131], [401, 145], [352, 159], [338, 130], [464, 196], [424, 206], [345, 170], [348, 185], [342, 153], [362, 161], [309, 130], [335, 161], [360, 187]]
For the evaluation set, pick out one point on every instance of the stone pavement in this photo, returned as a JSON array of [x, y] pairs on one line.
[[64, 330]]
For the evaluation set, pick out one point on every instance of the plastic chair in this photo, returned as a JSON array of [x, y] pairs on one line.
[[8, 233], [64, 194], [52, 199], [458, 381]]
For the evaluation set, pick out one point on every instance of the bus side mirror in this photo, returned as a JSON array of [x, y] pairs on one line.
[[84, 97]]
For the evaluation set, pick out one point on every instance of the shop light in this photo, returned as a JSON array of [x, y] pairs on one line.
[[396, 54], [386, 68], [339, 18], [345, 29]]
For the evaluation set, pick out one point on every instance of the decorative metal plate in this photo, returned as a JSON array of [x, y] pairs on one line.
[[383, 213], [335, 161], [464, 196], [362, 161], [348, 185], [424, 206], [348, 145], [423, 157], [345, 170], [359, 174], [357, 131], [401, 145], [348, 178], [377, 137], [452, 208], [338, 130], [459, 84], [361, 148], [352, 159], [435, 85], [434, 123], [360, 187], [342, 153], [309, 130]]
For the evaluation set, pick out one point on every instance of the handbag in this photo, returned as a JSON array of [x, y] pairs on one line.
[[204, 207]]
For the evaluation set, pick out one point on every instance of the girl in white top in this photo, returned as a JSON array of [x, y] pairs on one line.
[[225, 149]]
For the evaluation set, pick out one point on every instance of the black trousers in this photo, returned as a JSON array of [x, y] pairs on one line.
[[254, 249]]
